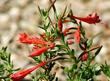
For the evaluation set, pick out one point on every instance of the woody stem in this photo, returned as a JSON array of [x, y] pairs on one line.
[[52, 5]]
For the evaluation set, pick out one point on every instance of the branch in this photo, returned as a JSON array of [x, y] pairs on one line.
[[52, 5]]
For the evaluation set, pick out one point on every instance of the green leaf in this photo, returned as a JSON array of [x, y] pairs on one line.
[[64, 12], [74, 66], [66, 70], [47, 26], [17, 69], [98, 50], [89, 42], [72, 51], [60, 46], [6, 64], [39, 9], [42, 27], [4, 49], [82, 30], [96, 53], [106, 69], [74, 21], [43, 13], [98, 72], [70, 12], [81, 47]]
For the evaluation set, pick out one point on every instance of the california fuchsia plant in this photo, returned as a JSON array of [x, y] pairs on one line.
[[58, 43]]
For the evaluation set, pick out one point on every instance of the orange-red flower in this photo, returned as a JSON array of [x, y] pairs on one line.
[[84, 57], [65, 32], [77, 35], [60, 25], [24, 38], [91, 18], [66, 21], [51, 45], [38, 52], [21, 74]]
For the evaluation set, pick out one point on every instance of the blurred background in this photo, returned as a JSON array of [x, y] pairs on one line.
[[18, 16]]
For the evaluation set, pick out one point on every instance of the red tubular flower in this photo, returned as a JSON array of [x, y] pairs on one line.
[[24, 38], [66, 21], [66, 31], [77, 35], [21, 74], [91, 18], [51, 45], [84, 57], [38, 52], [60, 25]]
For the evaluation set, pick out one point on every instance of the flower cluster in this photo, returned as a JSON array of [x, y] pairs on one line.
[[57, 32], [24, 38], [92, 18]]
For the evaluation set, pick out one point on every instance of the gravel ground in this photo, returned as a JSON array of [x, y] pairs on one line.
[[22, 16]]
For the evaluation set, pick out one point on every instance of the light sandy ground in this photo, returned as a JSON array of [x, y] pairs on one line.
[[22, 16]]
